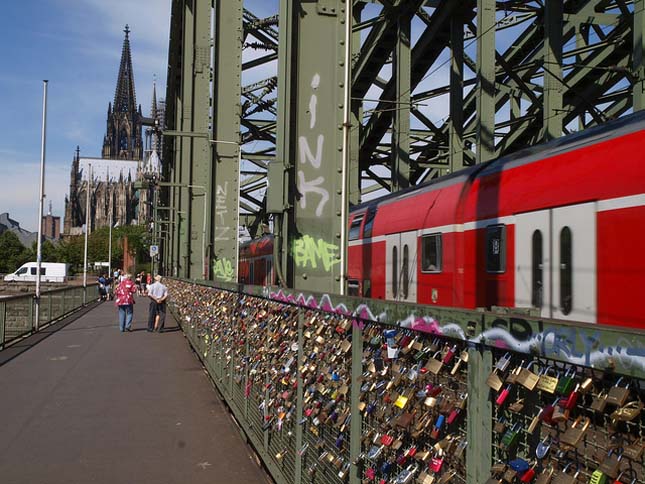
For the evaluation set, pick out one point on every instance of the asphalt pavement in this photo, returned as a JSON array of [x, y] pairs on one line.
[[89, 404]]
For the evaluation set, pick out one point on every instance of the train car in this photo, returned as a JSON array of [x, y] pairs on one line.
[[559, 228], [256, 262]]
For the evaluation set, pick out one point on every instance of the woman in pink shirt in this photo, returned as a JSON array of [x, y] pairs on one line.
[[125, 301]]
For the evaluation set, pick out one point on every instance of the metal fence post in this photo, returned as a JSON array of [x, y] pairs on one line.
[[299, 399], [479, 415], [3, 319], [31, 312], [356, 423]]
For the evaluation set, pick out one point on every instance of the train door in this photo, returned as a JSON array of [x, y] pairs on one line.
[[401, 267], [555, 255]]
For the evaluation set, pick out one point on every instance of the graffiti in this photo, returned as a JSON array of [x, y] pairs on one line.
[[315, 185], [312, 187], [223, 270], [305, 151], [221, 210], [574, 345], [307, 252]]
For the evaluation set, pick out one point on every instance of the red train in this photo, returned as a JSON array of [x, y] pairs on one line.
[[559, 227]]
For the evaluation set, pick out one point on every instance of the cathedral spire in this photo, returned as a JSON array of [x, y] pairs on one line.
[[124, 97]]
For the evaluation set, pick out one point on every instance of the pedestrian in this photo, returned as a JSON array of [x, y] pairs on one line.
[[125, 302], [102, 288], [144, 284], [137, 282], [158, 293]]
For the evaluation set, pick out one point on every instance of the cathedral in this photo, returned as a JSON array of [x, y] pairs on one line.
[[128, 155]]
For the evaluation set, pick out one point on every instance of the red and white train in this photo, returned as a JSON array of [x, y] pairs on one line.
[[559, 227]]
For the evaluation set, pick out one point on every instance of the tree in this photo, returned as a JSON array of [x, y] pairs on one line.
[[12, 253], [70, 251]]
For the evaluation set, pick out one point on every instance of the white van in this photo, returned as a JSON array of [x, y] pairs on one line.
[[49, 271]]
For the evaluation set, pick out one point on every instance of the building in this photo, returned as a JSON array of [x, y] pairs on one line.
[[124, 160], [51, 225]]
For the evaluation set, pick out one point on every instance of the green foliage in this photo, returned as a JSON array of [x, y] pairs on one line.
[[71, 249], [12, 253]]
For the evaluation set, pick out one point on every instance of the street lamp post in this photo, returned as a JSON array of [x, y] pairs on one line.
[[88, 194], [41, 200]]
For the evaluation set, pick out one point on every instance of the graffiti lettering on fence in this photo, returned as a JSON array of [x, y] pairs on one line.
[[223, 270], [221, 210], [314, 185], [575, 345], [311, 253]]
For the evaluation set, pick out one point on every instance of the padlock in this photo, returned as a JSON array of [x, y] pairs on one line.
[[566, 383], [526, 377], [503, 395], [503, 362], [436, 463], [529, 475], [542, 448], [628, 472], [572, 398], [548, 383], [564, 478], [611, 464], [494, 381], [407, 474], [434, 365], [519, 465], [511, 437], [618, 395], [597, 477]]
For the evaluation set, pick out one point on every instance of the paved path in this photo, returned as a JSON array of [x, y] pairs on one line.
[[90, 404]]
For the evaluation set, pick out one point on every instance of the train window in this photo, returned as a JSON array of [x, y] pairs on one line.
[[251, 273], [431, 253], [369, 222], [353, 287], [355, 228], [496, 248], [536, 270], [566, 271], [405, 272], [395, 275], [268, 278]]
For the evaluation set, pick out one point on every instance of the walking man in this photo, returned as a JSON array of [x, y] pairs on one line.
[[158, 293]]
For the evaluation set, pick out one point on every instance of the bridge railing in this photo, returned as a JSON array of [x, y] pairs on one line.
[[332, 389], [18, 313]]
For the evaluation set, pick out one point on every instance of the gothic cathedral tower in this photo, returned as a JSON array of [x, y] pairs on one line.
[[123, 138]]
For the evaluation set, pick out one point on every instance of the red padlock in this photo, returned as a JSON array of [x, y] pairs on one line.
[[449, 355], [572, 399], [453, 415], [503, 395], [528, 476], [436, 463]]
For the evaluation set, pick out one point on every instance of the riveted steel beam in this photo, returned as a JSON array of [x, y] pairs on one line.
[[227, 90]]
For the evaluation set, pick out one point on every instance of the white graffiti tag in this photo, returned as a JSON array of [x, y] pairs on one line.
[[315, 185]]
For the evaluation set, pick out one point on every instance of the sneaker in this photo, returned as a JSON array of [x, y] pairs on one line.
[[129, 330]]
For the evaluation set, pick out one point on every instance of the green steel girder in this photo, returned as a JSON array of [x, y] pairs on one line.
[[425, 52], [379, 44], [169, 197], [309, 139], [227, 91]]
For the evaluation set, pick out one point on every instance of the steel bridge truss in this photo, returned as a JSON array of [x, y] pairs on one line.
[[436, 86]]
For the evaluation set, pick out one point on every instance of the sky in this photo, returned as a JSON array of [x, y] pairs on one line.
[[75, 45]]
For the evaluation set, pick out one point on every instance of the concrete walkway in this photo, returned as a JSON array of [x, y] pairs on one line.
[[90, 404]]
